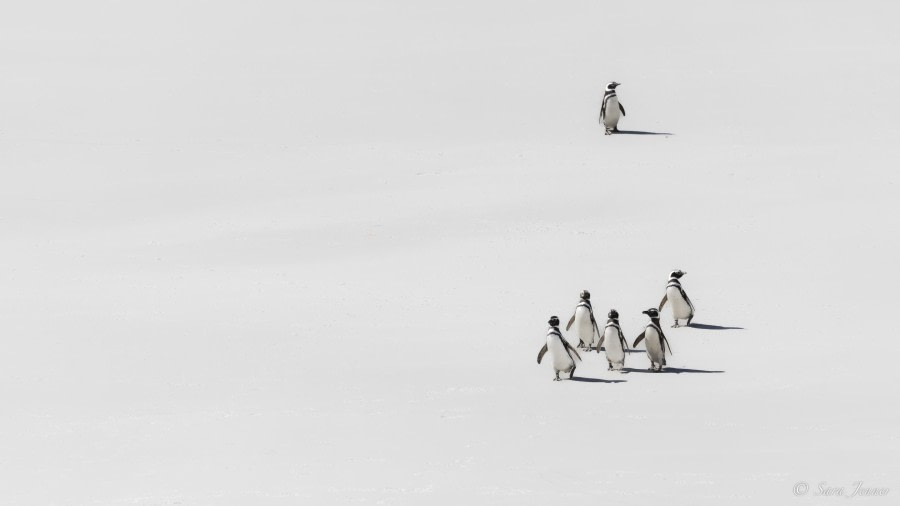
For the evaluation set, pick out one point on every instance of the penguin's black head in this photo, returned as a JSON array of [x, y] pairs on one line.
[[677, 274], [612, 86], [613, 314], [586, 295], [554, 321], [652, 312]]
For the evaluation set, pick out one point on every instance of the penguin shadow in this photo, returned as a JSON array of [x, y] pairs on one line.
[[705, 326], [595, 380], [673, 370], [629, 350], [639, 132]]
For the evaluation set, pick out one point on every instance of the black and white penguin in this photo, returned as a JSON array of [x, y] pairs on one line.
[[656, 345], [585, 324], [609, 111], [560, 350], [682, 308], [615, 342]]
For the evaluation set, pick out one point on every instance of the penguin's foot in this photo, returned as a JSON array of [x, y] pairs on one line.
[[608, 132], [676, 325], [616, 129]]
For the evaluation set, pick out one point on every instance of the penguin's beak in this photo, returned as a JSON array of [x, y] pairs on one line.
[[646, 313]]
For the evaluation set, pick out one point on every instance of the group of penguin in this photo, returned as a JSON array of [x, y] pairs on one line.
[[563, 355]]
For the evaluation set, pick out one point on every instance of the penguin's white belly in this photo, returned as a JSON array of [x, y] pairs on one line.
[[611, 115], [614, 351], [583, 326], [681, 310], [561, 360], [654, 347]]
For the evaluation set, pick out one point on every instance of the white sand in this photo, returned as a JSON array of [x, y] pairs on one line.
[[305, 253]]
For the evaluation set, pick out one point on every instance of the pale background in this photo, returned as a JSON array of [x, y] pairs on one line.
[[304, 252]]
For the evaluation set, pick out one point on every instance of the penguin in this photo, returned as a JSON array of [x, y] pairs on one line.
[[615, 342], [560, 350], [585, 324], [682, 308], [609, 111], [656, 345]]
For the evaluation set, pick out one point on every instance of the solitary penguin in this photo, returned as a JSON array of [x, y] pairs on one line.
[[560, 350], [656, 341], [609, 111], [615, 342], [682, 308], [585, 324]]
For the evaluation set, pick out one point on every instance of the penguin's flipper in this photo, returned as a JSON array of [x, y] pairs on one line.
[[603, 111], [596, 328], [666, 346], [663, 302], [541, 353], [601, 342], [570, 348], [622, 340], [639, 339], [687, 299], [571, 320], [621, 108], [664, 343]]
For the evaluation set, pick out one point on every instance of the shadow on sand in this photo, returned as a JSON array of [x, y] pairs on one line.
[[712, 327], [595, 380], [640, 132], [672, 370], [629, 350]]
